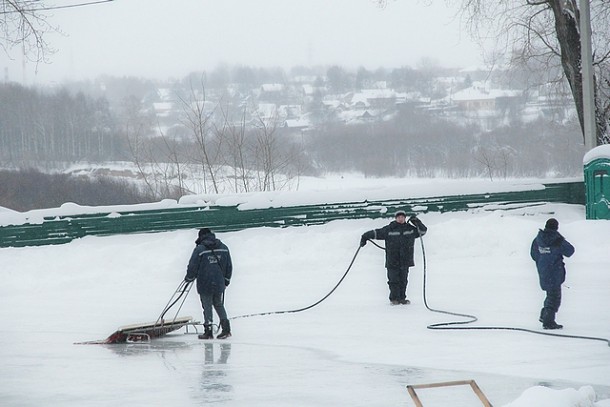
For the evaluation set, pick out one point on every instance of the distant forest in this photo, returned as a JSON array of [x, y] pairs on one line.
[[38, 128], [28, 189]]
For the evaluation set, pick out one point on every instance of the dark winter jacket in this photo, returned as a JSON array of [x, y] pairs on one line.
[[548, 249], [399, 242], [210, 264]]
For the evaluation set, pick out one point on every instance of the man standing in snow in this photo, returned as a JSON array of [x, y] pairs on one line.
[[211, 265], [399, 238], [548, 249]]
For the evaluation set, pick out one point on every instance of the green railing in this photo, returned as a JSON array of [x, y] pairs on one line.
[[63, 229]]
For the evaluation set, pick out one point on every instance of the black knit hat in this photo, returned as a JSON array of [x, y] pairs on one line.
[[552, 224], [204, 231]]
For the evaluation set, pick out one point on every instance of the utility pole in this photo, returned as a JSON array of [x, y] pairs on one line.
[[586, 62]]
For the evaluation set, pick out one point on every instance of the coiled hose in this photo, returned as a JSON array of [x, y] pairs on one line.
[[471, 318]]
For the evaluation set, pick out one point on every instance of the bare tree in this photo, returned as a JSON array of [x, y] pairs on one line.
[[485, 158], [174, 168], [237, 155], [272, 161], [548, 31], [199, 122], [23, 24], [136, 126]]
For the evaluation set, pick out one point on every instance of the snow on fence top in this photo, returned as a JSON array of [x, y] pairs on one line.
[[417, 188], [275, 209]]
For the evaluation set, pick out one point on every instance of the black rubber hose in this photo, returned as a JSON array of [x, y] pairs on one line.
[[309, 306], [472, 318]]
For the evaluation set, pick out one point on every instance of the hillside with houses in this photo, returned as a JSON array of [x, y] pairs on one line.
[[303, 103], [242, 129]]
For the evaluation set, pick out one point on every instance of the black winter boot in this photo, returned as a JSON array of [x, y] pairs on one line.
[[207, 332], [548, 319], [226, 329]]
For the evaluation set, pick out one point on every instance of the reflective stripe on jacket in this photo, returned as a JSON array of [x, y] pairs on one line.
[[399, 242]]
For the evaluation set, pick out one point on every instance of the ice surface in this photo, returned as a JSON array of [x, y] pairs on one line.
[[353, 349]]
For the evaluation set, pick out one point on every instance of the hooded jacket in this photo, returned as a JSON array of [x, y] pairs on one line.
[[210, 264], [548, 250], [399, 242]]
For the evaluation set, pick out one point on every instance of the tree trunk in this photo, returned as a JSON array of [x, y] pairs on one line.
[[568, 34]]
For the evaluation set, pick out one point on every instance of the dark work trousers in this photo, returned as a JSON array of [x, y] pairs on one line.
[[212, 300], [397, 281], [551, 305], [553, 299]]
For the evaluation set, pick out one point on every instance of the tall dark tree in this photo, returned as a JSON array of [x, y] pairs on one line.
[[338, 79], [363, 78]]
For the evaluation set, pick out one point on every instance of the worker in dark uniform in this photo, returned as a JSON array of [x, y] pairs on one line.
[[399, 238], [548, 250], [211, 265]]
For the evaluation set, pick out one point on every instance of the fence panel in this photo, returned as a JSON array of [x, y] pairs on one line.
[[63, 229]]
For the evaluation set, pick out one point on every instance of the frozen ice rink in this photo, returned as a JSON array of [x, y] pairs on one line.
[[353, 349]]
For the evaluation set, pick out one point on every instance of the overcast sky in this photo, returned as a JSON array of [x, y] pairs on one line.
[[170, 38]]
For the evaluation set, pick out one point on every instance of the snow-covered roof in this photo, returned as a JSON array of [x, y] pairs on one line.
[[475, 93], [272, 87], [163, 106], [366, 95], [474, 68], [332, 103], [378, 93], [297, 123], [597, 152]]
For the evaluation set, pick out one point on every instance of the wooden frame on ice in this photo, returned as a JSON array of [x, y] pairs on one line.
[[472, 383]]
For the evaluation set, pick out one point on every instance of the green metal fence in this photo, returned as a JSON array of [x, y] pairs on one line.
[[63, 229]]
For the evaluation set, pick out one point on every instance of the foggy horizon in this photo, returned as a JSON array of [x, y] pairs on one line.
[[155, 40]]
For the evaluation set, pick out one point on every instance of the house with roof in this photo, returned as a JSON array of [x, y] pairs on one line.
[[374, 98], [478, 98]]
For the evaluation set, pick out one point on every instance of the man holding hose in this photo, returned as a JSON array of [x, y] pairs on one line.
[[399, 238]]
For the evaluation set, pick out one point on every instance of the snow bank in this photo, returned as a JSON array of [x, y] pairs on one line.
[[544, 397]]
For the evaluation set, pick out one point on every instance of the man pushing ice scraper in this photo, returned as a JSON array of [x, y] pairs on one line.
[[211, 265]]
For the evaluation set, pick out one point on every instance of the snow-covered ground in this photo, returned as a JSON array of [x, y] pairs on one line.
[[352, 349]]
